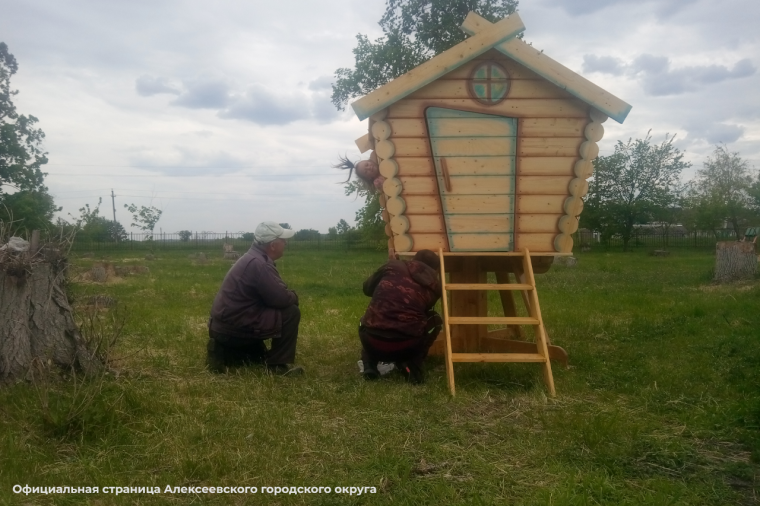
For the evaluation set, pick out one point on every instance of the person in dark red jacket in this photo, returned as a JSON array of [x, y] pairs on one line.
[[254, 305], [400, 325]]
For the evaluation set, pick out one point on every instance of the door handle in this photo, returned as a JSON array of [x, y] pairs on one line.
[[446, 178]]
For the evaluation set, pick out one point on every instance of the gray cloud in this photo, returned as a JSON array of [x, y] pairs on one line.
[[658, 79], [322, 83], [604, 64], [204, 94], [583, 7], [259, 105], [186, 161], [715, 133], [149, 85]]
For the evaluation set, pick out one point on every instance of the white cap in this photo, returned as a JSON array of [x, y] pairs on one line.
[[268, 231]]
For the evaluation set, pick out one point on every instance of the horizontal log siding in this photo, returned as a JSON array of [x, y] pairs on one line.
[[551, 127]]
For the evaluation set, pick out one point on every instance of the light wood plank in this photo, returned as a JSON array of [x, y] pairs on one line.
[[438, 66], [549, 146], [487, 286], [477, 204], [412, 146], [425, 185], [537, 223], [430, 241], [481, 185], [481, 242], [426, 223], [415, 166], [365, 143], [422, 204], [493, 223], [521, 88], [497, 357], [540, 204], [408, 128], [481, 166], [543, 185], [536, 243], [517, 108], [546, 165], [492, 320], [552, 127], [554, 71], [473, 146], [517, 71], [471, 127]]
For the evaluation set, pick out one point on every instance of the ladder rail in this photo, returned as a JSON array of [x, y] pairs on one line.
[[447, 328]]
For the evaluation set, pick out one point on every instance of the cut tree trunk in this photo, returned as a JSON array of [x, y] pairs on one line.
[[734, 261], [36, 322]]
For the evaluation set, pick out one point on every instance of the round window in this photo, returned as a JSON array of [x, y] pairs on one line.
[[489, 83]]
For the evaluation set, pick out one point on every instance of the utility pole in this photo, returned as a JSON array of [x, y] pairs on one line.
[[113, 202]]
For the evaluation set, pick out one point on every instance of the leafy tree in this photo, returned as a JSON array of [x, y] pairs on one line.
[[21, 155], [248, 236], [307, 234], [413, 32], [184, 235], [724, 191], [342, 227], [144, 218], [332, 232], [29, 209], [89, 225], [633, 185]]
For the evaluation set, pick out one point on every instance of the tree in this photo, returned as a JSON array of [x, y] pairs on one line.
[[184, 235], [29, 209], [725, 192], [631, 186], [342, 227], [89, 225], [332, 232], [144, 218], [413, 32], [21, 155], [307, 234]]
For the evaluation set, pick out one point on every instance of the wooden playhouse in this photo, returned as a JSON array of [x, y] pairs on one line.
[[486, 149]]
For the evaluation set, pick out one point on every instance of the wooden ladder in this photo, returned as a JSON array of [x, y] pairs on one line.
[[529, 290]]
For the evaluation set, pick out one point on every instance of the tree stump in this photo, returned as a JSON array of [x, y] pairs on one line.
[[36, 321], [734, 261]]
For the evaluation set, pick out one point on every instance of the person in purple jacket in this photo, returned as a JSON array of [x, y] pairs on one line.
[[400, 325], [253, 305]]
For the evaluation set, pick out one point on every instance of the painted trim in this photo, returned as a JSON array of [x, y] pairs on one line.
[[436, 67], [553, 71]]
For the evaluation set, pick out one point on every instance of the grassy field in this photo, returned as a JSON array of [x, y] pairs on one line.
[[661, 404]]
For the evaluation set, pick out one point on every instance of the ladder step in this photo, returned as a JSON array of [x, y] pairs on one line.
[[487, 286], [497, 357], [486, 320]]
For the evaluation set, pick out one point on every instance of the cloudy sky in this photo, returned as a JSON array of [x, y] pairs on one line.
[[219, 114]]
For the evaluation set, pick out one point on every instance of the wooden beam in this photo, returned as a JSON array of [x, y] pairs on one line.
[[434, 68], [554, 71]]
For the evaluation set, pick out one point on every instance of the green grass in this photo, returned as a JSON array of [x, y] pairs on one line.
[[661, 404]]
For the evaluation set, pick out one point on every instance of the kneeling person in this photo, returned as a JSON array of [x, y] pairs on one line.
[[253, 305], [400, 324]]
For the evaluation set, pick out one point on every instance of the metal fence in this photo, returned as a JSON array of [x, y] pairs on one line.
[[209, 241], [656, 239]]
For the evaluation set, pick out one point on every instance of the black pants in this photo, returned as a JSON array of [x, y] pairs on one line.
[[239, 350], [403, 348]]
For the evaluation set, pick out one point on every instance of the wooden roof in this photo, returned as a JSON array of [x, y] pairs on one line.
[[501, 36]]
